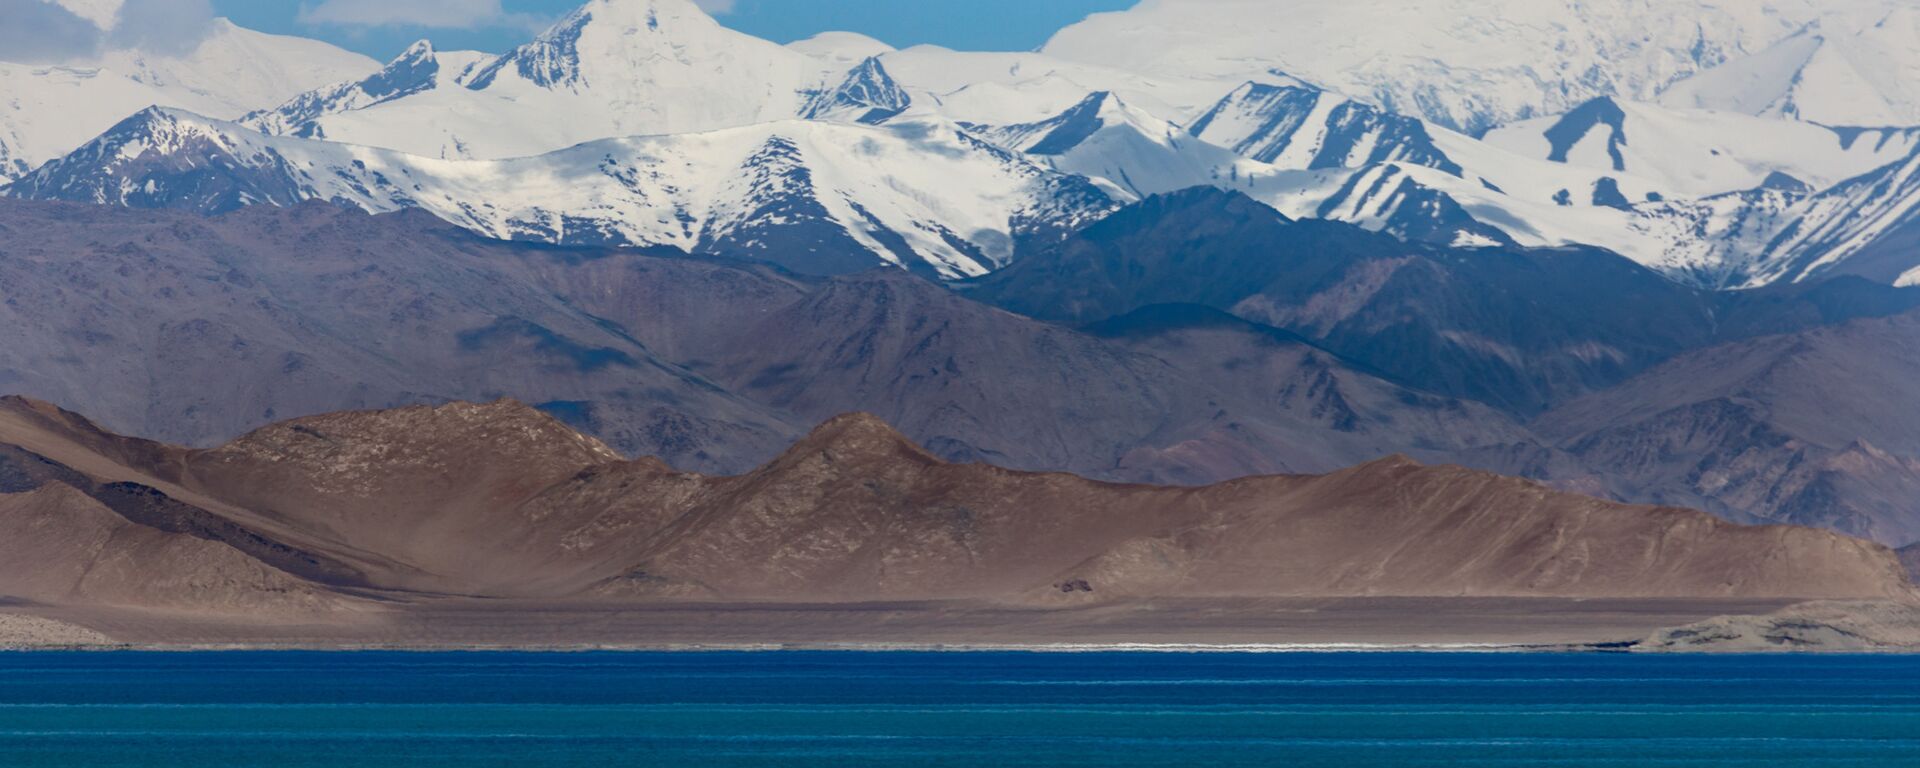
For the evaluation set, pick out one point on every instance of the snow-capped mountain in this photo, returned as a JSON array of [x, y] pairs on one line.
[[47, 110], [1868, 226], [1466, 64], [1836, 71], [416, 71], [1412, 202], [1687, 152], [611, 68], [647, 122], [815, 196], [1006, 88], [234, 70], [1294, 125], [867, 95], [1136, 153]]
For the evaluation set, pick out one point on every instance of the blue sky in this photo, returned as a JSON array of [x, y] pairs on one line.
[[382, 28]]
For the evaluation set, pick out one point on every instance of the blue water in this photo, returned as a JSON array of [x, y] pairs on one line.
[[984, 709]]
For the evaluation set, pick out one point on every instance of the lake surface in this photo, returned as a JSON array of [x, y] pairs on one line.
[[960, 709]]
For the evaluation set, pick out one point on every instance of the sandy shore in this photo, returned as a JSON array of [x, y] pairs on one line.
[[1379, 624]]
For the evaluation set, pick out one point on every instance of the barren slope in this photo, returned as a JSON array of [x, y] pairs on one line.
[[1811, 428], [502, 500]]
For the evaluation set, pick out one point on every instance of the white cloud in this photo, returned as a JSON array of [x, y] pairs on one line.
[[38, 32], [439, 14], [162, 26], [46, 32]]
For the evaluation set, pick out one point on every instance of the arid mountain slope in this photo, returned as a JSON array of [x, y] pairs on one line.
[[857, 512], [44, 448], [972, 382], [1338, 407], [1520, 329], [1814, 428], [70, 538], [501, 500], [195, 329]]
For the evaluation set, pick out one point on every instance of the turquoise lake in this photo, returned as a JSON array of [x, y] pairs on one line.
[[955, 709]]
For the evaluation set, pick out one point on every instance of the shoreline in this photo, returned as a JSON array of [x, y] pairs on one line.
[[1130, 649], [1227, 626], [1137, 648]]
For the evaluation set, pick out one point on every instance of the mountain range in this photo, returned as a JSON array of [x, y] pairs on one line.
[[1202, 336], [676, 128]]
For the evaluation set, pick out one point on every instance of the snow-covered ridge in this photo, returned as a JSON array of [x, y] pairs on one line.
[[867, 95], [1298, 126], [1469, 65], [1837, 71], [813, 195], [48, 110], [419, 69], [1837, 231], [1123, 147], [1690, 152], [610, 68], [738, 151]]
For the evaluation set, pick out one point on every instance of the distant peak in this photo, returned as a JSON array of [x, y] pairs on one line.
[[24, 404], [651, 14], [527, 429], [1391, 470], [867, 94], [858, 435], [410, 72], [1209, 199], [1394, 461], [1254, 89], [1094, 100], [48, 414], [1080, 122], [421, 50], [157, 118], [632, 28]]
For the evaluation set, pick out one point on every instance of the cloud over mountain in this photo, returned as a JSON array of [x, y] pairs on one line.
[[47, 32], [438, 14], [39, 32]]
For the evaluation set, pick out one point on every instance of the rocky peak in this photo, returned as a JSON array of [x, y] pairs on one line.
[[390, 439], [866, 95], [855, 437], [629, 32]]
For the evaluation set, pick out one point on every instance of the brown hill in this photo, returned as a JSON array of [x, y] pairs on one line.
[[855, 512], [65, 547], [501, 500]]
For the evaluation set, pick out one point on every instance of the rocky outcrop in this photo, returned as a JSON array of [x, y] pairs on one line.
[[1818, 626]]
